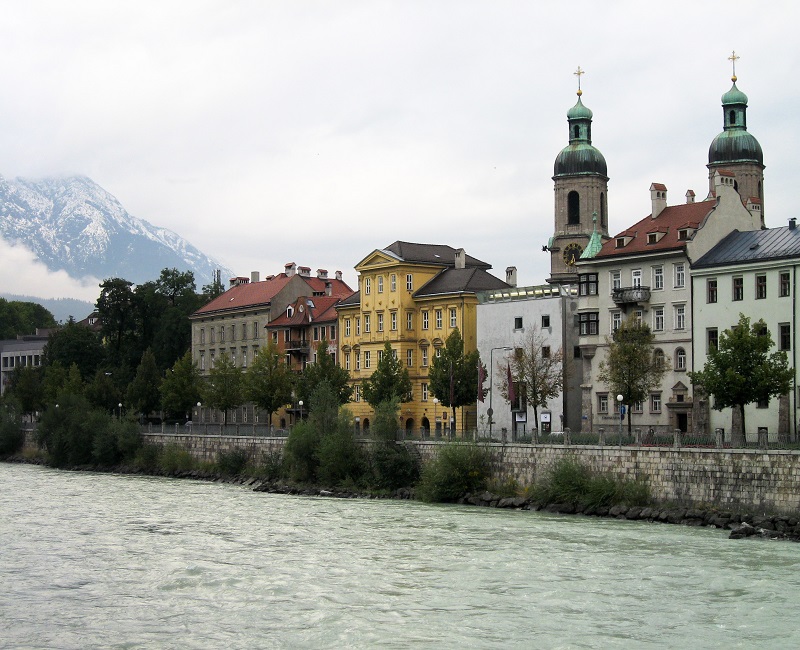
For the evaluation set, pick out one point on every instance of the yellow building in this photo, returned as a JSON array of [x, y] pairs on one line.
[[413, 296]]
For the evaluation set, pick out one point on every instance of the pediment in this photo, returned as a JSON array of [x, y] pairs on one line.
[[376, 259]]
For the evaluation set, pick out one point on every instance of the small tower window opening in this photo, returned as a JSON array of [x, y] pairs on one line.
[[576, 131], [573, 208], [732, 118], [603, 222]]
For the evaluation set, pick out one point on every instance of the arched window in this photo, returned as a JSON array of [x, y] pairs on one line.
[[680, 359], [603, 217], [760, 191], [658, 353], [732, 117], [576, 132], [573, 208]]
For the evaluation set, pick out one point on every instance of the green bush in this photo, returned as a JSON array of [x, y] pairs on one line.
[[392, 465], [341, 459], [231, 463], [147, 457], [175, 458], [11, 435], [457, 469], [302, 452], [271, 466]]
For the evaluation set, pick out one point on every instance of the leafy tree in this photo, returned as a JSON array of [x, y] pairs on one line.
[[143, 392], [541, 373], [11, 436], [741, 370], [324, 369], [268, 380], [632, 368], [453, 376], [223, 390], [103, 393], [59, 381], [388, 382], [26, 387], [177, 287], [75, 344], [180, 388], [393, 466], [18, 317], [212, 290], [115, 307]]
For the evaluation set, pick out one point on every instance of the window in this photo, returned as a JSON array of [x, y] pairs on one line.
[[213, 334], [222, 334], [655, 403], [409, 358], [545, 320], [333, 332], [761, 287], [393, 320], [573, 208], [712, 337], [680, 359], [316, 333], [202, 361], [438, 319], [762, 404], [380, 356], [424, 392], [602, 402], [680, 317], [367, 359], [587, 284], [367, 286], [409, 282], [453, 320], [636, 278], [658, 319], [358, 393], [738, 288], [358, 326], [680, 276], [616, 320], [711, 290], [367, 323], [518, 322], [380, 284], [358, 360], [255, 329], [424, 357], [275, 336], [347, 361], [589, 323], [638, 407], [784, 284], [424, 320], [658, 277], [616, 280], [409, 320], [380, 322], [658, 353], [233, 332], [244, 331], [244, 357], [202, 336], [785, 336], [393, 282], [545, 352]]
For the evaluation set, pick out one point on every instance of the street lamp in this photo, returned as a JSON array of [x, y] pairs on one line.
[[621, 416], [301, 409], [490, 411], [199, 412], [435, 419], [119, 416]]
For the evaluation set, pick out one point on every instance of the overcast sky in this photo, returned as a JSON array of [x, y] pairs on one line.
[[315, 132]]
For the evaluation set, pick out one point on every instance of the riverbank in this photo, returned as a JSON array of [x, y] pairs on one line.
[[741, 525]]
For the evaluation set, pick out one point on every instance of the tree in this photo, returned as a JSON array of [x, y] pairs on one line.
[[389, 381], [143, 393], [180, 388], [268, 380], [453, 376], [632, 368], [115, 307], [537, 368], [324, 369], [103, 392], [17, 317], [26, 388], [177, 287], [224, 388], [212, 290], [741, 370], [74, 344]]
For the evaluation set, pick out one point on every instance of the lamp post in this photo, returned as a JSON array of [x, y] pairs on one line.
[[119, 414], [490, 411], [621, 416], [199, 413], [435, 417], [301, 410]]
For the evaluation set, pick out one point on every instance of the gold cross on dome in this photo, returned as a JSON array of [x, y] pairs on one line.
[[578, 74], [733, 58]]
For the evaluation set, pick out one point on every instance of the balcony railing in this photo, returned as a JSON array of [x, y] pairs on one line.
[[631, 295], [298, 347]]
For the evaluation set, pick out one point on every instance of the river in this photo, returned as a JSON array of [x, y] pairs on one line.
[[105, 561]]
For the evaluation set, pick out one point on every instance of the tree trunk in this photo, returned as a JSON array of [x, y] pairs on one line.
[[737, 428]]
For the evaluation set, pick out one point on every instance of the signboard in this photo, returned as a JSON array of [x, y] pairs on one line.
[[545, 417]]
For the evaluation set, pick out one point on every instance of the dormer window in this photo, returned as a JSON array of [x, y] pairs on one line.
[[683, 234], [289, 311], [620, 242], [652, 238]]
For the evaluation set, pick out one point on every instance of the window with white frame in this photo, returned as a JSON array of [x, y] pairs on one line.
[[347, 361], [409, 358], [680, 359], [255, 329], [202, 336], [424, 392], [655, 402], [358, 360], [425, 322], [453, 319], [638, 407], [438, 319], [409, 320], [658, 278], [380, 284], [367, 359], [616, 280], [680, 317], [409, 282], [393, 320], [358, 326], [393, 282], [367, 286], [658, 319], [636, 278], [602, 402], [424, 357], [367, 323], [380, 356], [616, 320], [380, 322], [358, 392], [680, 275]]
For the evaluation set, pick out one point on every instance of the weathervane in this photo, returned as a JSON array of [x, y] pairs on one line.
[[733, 58], [578, 74]]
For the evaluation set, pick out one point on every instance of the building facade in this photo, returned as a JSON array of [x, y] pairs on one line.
[[413, 296]]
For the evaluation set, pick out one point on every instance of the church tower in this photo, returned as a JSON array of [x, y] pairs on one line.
[[581, 189], [735, 150]]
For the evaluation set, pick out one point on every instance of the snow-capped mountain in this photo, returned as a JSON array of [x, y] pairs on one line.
[[74, 224]]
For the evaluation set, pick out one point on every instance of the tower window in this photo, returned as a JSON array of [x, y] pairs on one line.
[[573, 208], [576, 132], [732, 118], [603, 222]]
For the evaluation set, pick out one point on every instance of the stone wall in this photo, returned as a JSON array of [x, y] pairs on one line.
[[749, 480]]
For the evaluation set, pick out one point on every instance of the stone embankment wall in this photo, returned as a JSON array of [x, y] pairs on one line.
[[727, 478]]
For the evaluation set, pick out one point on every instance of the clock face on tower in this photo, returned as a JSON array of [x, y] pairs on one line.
[[571, 253]]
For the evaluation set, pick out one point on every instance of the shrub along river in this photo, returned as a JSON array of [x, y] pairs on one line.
[[100, 560]]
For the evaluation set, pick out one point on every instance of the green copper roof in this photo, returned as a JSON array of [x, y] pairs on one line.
[[579, 112], [735, 144], [579, 157], [734, 96], [595, 242]]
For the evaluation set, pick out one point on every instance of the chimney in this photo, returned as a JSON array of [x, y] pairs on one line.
[[255, 276], [235, 282], [305, 271], [461, 259], [792, 223], [322, 274], [289, 268], [338, 275], [658, 197], [511, 275], [328, 289], [690, 196]]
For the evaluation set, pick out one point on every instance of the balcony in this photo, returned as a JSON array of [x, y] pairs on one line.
[[631, 295], [297, 347]]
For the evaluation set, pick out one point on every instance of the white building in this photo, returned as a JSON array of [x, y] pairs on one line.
[[506, 320], [22, 352]]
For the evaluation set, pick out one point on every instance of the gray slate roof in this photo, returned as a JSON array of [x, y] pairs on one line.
[[469, 280], [751, 246], [431, 254]]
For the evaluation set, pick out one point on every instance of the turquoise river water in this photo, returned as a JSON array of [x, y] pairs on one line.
[[105, 561]]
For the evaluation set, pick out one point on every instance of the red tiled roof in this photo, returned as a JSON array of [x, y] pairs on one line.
[[324, 310], [249, 294], [671, 220]]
